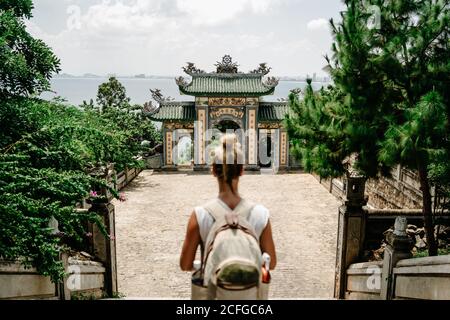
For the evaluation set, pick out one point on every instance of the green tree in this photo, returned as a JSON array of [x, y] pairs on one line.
[[415, 143], [115, 106], [385, 75], [26, 63], [315, 128], [112, 94], [385, 72]]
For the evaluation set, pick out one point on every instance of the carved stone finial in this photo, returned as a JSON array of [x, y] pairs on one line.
[[354, 191], [227, 65], [400, 226]]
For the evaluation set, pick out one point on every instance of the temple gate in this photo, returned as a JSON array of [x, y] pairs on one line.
[[225, 100]]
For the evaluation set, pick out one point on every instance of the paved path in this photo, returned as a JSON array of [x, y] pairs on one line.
[[150, 228]]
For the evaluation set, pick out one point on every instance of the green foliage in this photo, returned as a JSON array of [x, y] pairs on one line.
[[384, 71], [20, 8], [420, 137], [26, 63], [315, 128], [424, 253], [114, 106], [112, 94], [392, 104], [47, 152]]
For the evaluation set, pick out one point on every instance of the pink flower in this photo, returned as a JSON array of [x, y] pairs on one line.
[[122, 197], [93, 194], [88, 234]]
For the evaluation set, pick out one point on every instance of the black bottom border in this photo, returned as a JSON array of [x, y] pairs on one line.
[[186, 309]]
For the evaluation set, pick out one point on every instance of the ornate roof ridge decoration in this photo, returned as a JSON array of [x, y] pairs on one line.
[[149, 108], [271, 82], [226, 81], [158, 97], [227, 65], [296, 91], [181, 81], [262, 69], [191, 69], [226, 75]]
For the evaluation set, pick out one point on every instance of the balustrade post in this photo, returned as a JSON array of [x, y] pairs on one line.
[[398, 247], [351, 231]]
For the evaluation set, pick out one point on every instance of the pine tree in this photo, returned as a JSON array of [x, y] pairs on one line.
[[392, 101], [390, 74]]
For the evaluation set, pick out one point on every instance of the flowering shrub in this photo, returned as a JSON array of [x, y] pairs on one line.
[[47, 153]]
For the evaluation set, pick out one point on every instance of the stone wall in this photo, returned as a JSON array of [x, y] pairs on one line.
[[423, 278], [401, 191], [17, 282], [85, 279]]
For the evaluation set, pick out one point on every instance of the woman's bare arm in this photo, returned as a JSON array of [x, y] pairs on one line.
[[267, 244], [191, 242]]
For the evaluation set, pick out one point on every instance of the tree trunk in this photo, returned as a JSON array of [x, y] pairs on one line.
[[427, 211]]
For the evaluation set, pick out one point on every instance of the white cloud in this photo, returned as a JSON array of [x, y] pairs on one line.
[[159, 36], [318, 24], [209, 12]]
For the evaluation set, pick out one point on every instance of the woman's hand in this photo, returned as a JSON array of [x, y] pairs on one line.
[[267, 245]]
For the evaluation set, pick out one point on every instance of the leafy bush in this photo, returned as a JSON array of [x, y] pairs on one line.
[[47, 152]]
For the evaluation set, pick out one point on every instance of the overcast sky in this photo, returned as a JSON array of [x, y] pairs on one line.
[[158, 37]]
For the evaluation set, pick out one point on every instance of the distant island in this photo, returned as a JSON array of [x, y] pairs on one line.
[[322, 79]]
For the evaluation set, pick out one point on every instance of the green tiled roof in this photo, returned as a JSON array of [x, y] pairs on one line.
[[272, 111], [175, 110], [225, 84], [185, 111]]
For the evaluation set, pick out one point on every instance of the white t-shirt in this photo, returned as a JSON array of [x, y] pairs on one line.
[[258, 219]]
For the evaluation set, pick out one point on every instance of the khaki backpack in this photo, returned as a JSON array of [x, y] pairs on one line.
[[232, 259]]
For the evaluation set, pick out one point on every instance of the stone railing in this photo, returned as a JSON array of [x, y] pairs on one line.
[[422, 278], [84, 279], [398, 276], [364, 281], [18, 282]]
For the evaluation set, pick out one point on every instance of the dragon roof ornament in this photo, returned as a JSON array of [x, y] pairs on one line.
[[158, 97], [262, 69], [191, 69], [271, 82]]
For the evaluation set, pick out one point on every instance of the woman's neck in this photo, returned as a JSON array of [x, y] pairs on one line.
[[227, 195]]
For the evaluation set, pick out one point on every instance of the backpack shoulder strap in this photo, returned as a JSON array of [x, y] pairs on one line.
[[219, 212], [244, 208], [215, 209]]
